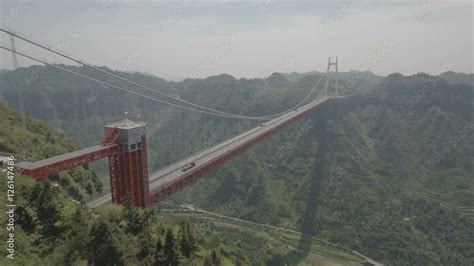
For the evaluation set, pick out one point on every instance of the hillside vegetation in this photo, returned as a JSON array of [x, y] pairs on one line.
[[30, 139], [52, 228], [387, 171]]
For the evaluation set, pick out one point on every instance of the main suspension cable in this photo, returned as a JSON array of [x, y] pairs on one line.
[[122, 89], [91, 66]]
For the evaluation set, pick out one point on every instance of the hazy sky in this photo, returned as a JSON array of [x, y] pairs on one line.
[[175, 39]]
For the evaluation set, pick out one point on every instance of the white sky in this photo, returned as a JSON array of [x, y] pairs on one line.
[[176, 39]]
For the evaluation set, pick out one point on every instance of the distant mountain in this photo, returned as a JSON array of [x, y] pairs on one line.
[[352, 81], [458, 78], [295, 76], [221, 79], [278, 78]]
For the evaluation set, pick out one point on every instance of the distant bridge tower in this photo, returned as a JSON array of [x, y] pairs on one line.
[[335, 64], [19, 90], [14, 60], [128, 167]]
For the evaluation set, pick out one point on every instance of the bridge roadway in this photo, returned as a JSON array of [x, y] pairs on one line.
[[169, 174]]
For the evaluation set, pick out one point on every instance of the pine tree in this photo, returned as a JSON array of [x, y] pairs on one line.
[[144, 250], [215, 259], [159, 253], [187, 243], [102, 249], [131, 216], [212, 260], [170, 252], [207, 261], [41, 199], [25, 219], [184, 242], [191, 239]]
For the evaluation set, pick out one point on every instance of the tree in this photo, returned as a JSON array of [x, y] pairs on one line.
[[170, 252], [25, 219], [212, 260], [102, 248], [159, 253], [215, 259], [187, 243], [144, 247], [184, 243], [191, 239], [42, 200], [131, 216]]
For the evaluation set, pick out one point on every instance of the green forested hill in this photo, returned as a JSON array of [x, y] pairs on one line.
[[387, 172], [30, 139], [52, 228], [397, 187], [35, 139]]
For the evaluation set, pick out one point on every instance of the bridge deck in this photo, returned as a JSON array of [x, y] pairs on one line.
[[61, 158], [168, 175]]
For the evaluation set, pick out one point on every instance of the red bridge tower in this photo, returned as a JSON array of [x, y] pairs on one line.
[[128, 168], [124, 144]]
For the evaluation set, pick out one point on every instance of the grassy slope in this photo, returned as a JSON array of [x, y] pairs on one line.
[[37, 140]]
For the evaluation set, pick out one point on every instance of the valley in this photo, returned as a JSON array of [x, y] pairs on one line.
[[363, 174]]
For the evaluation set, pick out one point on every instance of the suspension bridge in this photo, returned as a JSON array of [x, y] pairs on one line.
[[124, 143]]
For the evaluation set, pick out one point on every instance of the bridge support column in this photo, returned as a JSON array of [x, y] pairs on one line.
[[128, 168]]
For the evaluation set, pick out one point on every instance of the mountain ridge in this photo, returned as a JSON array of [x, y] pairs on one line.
[[381, 140]]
